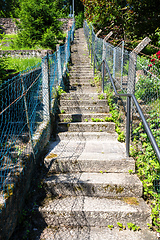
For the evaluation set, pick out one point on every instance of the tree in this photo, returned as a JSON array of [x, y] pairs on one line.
[[132, 18], [8, 8], [38, 24]]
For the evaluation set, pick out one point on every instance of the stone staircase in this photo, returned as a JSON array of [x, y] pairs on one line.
[[88, 184]]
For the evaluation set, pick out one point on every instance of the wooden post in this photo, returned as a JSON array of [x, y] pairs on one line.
[[133, 63], [104, 44], [46, 89]]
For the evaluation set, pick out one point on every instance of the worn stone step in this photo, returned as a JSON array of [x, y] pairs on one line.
[[82, 96], [91, 102], [95, 233], [83, 117], [95, 184], [83, 89], [94, 211], [82, 68], [81, 83], [87, 127], [80, 76], [56, 162], [84, 109], [89, 136]]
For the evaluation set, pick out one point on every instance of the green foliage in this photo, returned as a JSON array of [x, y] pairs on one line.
[[38, 24], [3, 67], [147, 88], [110, 227], [131, 18], [116, 115], [97, 120], [79, 20], [21, 64], [60, 90], [133, 227], [9, 8], [101, 96], [148, 166], [121, 226]]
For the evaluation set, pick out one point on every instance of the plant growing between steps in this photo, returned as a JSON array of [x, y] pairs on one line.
[[121, 226], [116, 115], [133, 227]]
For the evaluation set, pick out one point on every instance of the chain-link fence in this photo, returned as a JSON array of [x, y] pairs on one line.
[[26, 102], [131, 75]]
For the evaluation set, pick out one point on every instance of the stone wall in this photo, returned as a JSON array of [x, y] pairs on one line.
[[25, 53], [8, 25]]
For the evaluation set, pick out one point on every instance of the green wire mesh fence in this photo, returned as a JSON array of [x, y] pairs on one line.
[[25, 103]]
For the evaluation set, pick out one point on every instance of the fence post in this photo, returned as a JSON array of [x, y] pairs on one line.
[[132, 65], [27, 115], [122, 63], [66, 52], [114, 62], [59, 68], [46, 88], [104, 57], [128, 125], [104, 44]]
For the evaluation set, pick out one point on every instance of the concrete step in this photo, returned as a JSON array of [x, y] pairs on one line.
[[83, 117], [81, 96], [84, 109], [91, 102], [87, 127], [79, 76], [89, 136], [94, 211], [94, 184], [82, 152], [95, 233], [56, 162], [82, 89]]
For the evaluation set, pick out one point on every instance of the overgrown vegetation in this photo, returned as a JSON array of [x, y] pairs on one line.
[[131, 19], [148, 166]]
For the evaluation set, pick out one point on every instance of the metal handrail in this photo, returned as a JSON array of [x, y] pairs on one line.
[[146, 126]]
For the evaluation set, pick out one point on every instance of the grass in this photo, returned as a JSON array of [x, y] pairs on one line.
[[21, 64], [7, 39]]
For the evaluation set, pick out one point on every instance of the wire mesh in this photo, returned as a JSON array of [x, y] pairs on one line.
[[131, 74], [26, 102]]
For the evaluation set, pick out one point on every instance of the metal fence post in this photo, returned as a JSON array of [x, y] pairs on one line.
[[114, 62], [59, 64], [128, 125], [27, 115], [46, 88], [122, 57]]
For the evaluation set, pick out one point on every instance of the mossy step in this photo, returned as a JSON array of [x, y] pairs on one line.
[[95, 184], [94, 211]]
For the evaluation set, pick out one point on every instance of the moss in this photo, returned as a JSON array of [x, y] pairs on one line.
[[52, 155], [131, 200], [78, 188], [8, 191]]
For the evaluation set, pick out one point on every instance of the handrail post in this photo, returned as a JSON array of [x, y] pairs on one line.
[[103, 74], [128, 125]]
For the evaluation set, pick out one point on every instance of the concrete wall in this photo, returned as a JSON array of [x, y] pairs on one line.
[[11, 207]]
